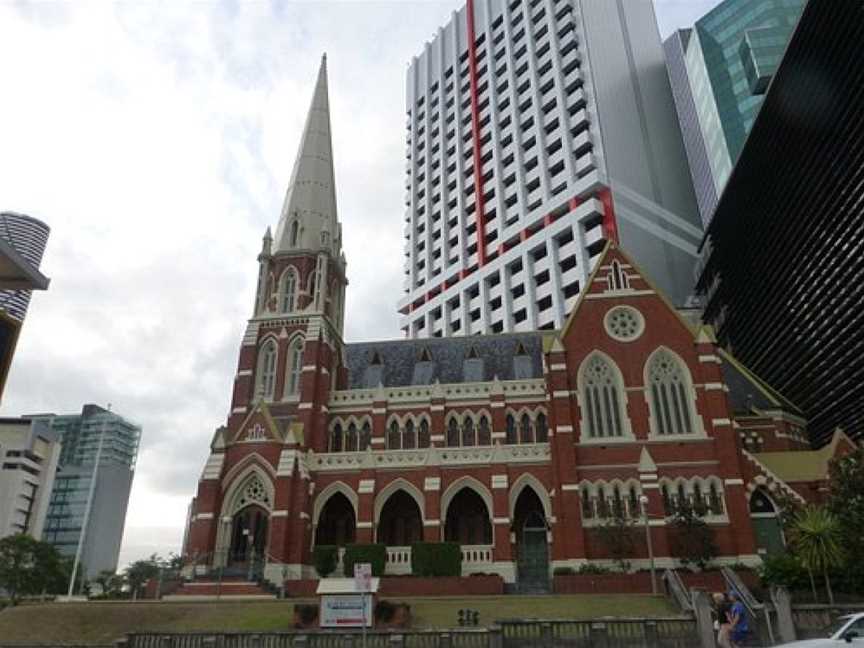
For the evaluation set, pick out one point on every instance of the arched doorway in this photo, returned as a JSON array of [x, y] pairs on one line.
[[337, 524], [249, 528], [400, 523], [468, 519], [766, 523], [532, 550]]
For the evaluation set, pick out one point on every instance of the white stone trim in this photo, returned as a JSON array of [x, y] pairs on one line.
[[710, 358], [280, 513], [432, 484], [563, 429], [561, 393], [436, 408], [616, 294], [650, 486], [305, 516], [244, 372], [364, 525], [500, 481], [377, 441], [715, 387], [213, 467], [501, 520], [497, 405], [366, 486], [720, 422], [308, 367], [305, 406], [733, 482], [431, 523], [436, 437], [569, 487], [558, 366], [204, 516], [499, 435], [239, 410]]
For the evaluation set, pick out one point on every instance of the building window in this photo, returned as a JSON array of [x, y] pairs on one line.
[[267, 370], [288, 290], [351, 438], [336, 438], [484, 435], [423, 441], [510, 437], [602, 414], [671, 402], [409, 439], [624, 323], [468, 438], [295, 368], [453, 433], [394, 439], [541, 431], [525, 432], [365, 436]]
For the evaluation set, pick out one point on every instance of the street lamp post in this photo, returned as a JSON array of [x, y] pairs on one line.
[[643, 501]]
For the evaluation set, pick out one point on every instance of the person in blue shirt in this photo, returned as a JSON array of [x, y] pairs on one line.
[[738, 620]]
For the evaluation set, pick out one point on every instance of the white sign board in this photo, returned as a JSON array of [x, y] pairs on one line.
[[363, 577], [345, 611]]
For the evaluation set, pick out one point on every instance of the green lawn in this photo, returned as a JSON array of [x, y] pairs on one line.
[[104, 621]]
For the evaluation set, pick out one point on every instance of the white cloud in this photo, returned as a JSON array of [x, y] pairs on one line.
[[157, 140]]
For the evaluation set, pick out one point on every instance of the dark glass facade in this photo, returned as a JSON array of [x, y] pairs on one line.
[[783, 260]]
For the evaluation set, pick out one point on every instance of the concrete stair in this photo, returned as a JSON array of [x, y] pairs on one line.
[[209, 589]]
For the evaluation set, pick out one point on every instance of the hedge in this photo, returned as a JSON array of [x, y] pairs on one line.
[[325, 557], [436, 559], [365, 553]]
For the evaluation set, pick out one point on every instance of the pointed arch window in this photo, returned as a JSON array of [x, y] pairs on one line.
[[525, 432], [394, 439], [671, 402], [288, 291], [295, 367], [468, 437], [715, 500], [365, 436], [484, 434], [453, 433], [510, 435], [601, 398], [409, 440], [351, 438], [423, 440], [336, 438], [617, 279], [541, 429], [587, 508], [267, 370], [314, 290]]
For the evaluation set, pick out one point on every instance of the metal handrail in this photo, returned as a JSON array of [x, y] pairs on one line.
[[679, 592]]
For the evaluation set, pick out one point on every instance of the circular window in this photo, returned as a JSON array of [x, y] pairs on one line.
[[624, 323]]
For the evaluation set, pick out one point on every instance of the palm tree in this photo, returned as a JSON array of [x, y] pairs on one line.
[[816, 539]]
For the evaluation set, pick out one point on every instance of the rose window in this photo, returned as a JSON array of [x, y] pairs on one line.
[[624, 323]]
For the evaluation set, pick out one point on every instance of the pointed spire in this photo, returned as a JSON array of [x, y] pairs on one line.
[[308, 218]]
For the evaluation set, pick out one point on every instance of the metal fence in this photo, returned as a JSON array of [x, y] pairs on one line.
[[642, 633], [670, 632]]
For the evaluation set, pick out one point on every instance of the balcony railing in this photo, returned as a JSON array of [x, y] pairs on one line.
[[475, 559]]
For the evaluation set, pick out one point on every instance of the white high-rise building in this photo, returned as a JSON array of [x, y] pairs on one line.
[[537, 129], [29, 452]]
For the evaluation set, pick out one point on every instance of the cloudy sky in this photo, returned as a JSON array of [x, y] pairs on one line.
[[156, 139]]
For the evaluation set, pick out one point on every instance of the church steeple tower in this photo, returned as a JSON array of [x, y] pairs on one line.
[[302, 266], [309, 219]]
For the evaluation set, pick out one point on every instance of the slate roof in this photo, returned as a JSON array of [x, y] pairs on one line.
[[400, 363], [746, 390]]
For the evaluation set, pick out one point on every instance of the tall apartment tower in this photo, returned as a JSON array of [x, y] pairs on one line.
[[92, 485], [537, 130], [719, 70]]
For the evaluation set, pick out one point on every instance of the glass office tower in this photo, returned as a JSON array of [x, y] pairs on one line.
[[719, 70], [82, 511]]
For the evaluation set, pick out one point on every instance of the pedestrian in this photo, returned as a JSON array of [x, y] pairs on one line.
[[738, 621], [721, 622]]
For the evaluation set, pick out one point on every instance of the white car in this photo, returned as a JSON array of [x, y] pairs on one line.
[[847, 629]]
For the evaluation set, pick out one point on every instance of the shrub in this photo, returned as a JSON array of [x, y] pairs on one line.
[[589, 568], [325, 557], [376, 554], [384, 611], [563, 571], [784, 570], [306, 613], [436, 559]]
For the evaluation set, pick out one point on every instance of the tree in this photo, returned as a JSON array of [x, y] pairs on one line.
[[846, 498], [817, 541], [29, 567], [110, 582], [618, 535], [694, 540], [140, 571]]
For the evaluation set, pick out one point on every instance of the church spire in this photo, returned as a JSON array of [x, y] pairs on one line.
[[308, 219]]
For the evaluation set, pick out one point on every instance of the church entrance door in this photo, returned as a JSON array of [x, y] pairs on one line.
[[249, 529], [532, 550]]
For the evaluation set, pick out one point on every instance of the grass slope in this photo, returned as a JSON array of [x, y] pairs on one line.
[[102, 622]]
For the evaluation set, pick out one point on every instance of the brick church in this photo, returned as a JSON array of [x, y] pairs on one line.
[[517, 446]]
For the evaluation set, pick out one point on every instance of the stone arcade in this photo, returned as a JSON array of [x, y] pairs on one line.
[[514, 445]]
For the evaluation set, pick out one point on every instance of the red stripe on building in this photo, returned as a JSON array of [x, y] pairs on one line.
[[479, 205], [610, 224]]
